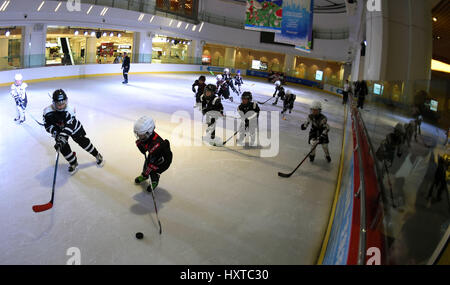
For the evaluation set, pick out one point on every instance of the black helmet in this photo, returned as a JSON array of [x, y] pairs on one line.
[[212, 88], [59, 96], [202, 78], [247, 95]]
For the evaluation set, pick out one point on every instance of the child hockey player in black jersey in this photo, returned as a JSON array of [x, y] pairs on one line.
[[61, 123], [223, 90], [19, 94], [211, 107], [159, 154], [238, 81], [319, 130], [229, 80], [200, 84], [288, 103], [249, 112], [280, 90]]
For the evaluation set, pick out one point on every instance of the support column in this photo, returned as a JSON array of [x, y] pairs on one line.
[[91, 50], [230, 57], [196, 51], [33, 43], [142, 47], [290, 62]]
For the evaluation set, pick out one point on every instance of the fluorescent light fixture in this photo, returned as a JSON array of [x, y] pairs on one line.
[[104, 11], [111, 34], [179, 24], [57, 7], [104, 34], [8, 33], [194, 28], [153, 17], [201, 27], [85, 33], [76, 33], [92, 34], [187, 26], [141, 17], [89, 10], [119, 35], [173, 41], [40, 6], [188, 43], [4, 6], [170, 24], [440, 66]]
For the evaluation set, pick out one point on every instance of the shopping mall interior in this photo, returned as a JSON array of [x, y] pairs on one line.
[[376, 194]]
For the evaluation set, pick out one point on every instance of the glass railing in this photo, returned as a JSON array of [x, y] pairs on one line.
[[408, 134]]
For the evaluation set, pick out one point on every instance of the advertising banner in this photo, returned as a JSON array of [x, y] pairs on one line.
[[264, 15]]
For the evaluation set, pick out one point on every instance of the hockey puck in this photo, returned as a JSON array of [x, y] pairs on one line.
[[139, 235]]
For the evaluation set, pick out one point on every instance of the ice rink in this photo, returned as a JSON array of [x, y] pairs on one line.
[[217, 205]]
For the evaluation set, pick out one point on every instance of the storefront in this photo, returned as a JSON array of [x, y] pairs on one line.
[[327, 72], [76, 45], [10, 47], [170, 50]]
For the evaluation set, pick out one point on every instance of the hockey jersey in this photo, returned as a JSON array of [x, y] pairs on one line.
[[211, 103], [319, 127], [159, 154], [62, 122], [19, 93]]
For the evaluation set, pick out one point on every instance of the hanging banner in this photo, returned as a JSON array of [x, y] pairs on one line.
[[264, 15], [296, 26]]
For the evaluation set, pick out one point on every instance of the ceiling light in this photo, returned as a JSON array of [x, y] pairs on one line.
[[111, 34], [7, 33], [76, 33], [57, 7], [92, 34], [434, 19], [119, 35], [104, 34], [89, 10]]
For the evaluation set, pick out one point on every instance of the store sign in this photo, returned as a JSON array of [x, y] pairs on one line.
[[206, 59], [319, 75], [124, 46], [378, 89], [434, 105], [262, 15], [50, 45], [256, 64]]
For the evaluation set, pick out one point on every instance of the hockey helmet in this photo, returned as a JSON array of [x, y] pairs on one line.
[[143, 128]]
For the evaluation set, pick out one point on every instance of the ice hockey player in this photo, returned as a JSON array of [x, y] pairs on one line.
[[223, 89], [279, 92], [159, 155], [319, 130], [238, 81], [19, 94], [229, 79], [61, 123], [211, 107], [249, 112], [200, 84], [288, 103]]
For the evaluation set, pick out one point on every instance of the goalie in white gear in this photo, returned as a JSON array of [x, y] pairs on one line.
[[19, 94], [319, 130]]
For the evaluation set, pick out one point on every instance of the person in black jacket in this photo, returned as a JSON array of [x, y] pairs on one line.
[[211, 107], [200, 84], [362, 93], [125, 67], [318, 133], [61, 123], [288, 103], [249, 112], [159, 156]]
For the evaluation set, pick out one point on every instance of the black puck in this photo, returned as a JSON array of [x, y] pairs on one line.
[[139, 235]]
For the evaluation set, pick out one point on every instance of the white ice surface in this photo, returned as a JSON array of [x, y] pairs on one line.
[[216, 205]]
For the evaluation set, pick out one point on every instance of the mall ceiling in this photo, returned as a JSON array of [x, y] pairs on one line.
[[441, 31]]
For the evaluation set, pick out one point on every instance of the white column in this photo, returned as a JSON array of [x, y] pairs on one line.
[[142, 47], [33, 43], [230, 57], [91, 50], [196, 51], [290, 62]]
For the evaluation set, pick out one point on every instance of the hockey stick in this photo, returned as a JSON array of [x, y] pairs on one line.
[[225, 142], [49, 205], [39, 123], [154, 201], [212, 73], [290, 174], [262, 103]]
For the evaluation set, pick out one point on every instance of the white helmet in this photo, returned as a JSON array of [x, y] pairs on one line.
[[144, 127], [288, 92], [277, 83], [18, 77], [219, 77], [226, 70], [316, 105]]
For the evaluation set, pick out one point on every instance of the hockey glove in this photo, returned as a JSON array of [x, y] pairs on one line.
[[60, 141], [303, 127]]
